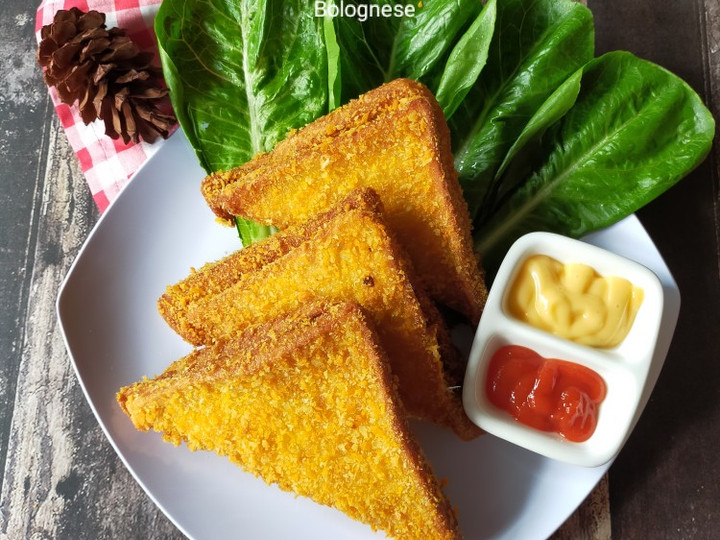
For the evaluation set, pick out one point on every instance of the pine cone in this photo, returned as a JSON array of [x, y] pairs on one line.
[[105, 72]]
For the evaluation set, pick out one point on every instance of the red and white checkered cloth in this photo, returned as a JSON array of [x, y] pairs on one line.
[[108, 164]]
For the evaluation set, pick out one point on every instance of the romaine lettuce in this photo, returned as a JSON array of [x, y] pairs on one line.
[[544, 137]]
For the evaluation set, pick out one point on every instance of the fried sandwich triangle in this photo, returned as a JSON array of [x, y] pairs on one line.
[[347, 254], [307, 402], [393, 139]]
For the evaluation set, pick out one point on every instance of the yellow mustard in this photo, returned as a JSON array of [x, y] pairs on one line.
[[573, 301]]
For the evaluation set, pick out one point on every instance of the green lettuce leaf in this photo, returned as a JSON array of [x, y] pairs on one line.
[[633, 132], [384, 48], [466, 60], [242, 73], [333, 57], [545, 138], [535, 47], [251, 232], [517, 162]]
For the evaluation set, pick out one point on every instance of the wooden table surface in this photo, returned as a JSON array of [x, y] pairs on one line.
[[59, 477]]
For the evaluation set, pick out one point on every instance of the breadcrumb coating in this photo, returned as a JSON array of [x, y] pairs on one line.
[[347, 254], [310, 392], [393, 139], [215, 277]]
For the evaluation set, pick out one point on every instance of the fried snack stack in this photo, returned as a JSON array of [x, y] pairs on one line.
[[307, 402], [394, 140], [347, 254], [318, 343]]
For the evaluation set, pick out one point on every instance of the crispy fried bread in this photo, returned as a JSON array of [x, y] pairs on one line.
[[310, 392], [393, 139], [215, 277], [347, 254]]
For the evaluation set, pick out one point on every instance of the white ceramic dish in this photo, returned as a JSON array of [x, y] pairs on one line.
[[624, 368], [160, 227]]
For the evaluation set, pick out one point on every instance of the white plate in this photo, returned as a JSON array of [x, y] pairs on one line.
[[157, 229]]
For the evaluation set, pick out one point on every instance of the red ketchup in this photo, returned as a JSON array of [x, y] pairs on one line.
[[546, 394]]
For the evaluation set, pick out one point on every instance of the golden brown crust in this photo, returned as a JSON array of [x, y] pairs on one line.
[[393, 139], [379, 473], [366, 109], [347, 254], [453, 370], [351, 257], [469, 267], [217, 276]]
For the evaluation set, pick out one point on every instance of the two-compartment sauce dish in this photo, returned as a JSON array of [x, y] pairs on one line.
[[563, 349]]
